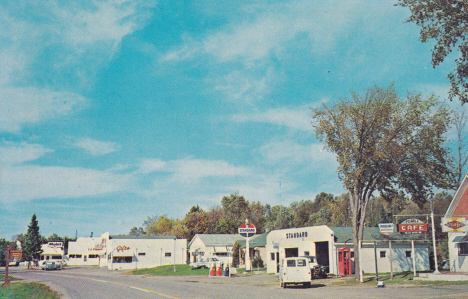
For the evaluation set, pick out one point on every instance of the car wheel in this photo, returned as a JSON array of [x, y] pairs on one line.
[[307, 284]]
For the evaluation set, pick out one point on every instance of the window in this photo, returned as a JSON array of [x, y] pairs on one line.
[[56, 257], [221, 253], [383, 254], [85, 258], [72, 256], [408, 253], [93, 256], [291, 263], [141, 253], [167, 254], [272, 256], [462, 248], [301, 263], [352, 254], [306, 253], [122, 259]]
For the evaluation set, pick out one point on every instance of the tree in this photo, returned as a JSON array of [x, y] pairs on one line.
[[32, 243], [384, 144], [446, 22], [161, 226], [461, 154], [137, 231]]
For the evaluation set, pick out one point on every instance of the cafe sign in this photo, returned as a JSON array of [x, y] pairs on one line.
[[454, 224], [412, 226]]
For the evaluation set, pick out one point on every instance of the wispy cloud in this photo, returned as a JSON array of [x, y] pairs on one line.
[[96, 147], [24, 183], [16, 153], [298, 118], [20, 106]]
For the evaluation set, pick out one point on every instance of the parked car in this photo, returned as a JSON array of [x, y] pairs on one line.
[[204, 263], [317, 271], [295, 270], [49, 265]]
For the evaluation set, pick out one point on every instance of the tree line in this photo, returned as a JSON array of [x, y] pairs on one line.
[[325, 209]]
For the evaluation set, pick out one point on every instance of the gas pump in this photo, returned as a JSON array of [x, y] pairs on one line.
[[344, 261]]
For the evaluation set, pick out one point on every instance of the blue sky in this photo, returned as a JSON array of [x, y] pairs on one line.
[[113, 111]]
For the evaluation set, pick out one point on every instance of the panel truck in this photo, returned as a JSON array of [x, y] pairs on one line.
[[295, 270]]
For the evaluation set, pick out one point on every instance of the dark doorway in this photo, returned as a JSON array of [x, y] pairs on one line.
[[291, 252], [321, 252]]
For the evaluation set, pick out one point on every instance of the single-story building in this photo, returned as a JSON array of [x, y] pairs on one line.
[[304, 241], [212, 245], [257, 246], [122, 252], [456, 225], [393, 253], [52, 251]]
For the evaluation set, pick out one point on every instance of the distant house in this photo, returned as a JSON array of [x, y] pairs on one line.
[[52, 251], [458, 237], [217, 245]]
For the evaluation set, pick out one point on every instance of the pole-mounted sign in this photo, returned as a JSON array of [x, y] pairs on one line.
[[412, 226], [454, 224], [247, 230]]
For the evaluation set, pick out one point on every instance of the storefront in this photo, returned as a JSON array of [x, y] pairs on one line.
[[127, 252], [305, 241], [52, 251]]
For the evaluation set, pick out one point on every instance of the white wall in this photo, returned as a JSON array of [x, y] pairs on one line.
[[304, 239]]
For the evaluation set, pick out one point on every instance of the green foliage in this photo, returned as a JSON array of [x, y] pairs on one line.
[[32, 243], [33, 290], [446, 23], [235, 255], [257, 262]]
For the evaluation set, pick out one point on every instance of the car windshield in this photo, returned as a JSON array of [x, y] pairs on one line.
[[301, 263]]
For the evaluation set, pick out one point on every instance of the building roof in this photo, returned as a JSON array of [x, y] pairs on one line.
[[459, 204], [217, 239], [141, 237], [255, 241], [343, 234]]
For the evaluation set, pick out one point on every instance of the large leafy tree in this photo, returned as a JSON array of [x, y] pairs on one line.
[[446, 22], [384, 144], [32, 241]]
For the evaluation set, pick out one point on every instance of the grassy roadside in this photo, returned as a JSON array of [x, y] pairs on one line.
[[405, 278], [30, 290]]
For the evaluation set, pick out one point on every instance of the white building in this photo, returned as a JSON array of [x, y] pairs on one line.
[[458, 236], [324, 243], [305, 241], [217, 245], [52, 251], [127, 252]]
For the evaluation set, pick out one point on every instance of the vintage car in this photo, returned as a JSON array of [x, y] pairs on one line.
[[49, 265], [295, 270], [317, 271], [204, 263]]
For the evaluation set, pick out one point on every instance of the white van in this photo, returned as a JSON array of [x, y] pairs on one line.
[[295, 270]]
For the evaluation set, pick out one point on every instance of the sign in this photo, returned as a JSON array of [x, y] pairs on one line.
[[55, 244], [16, 254], [454, 225], [386, 228], [412, 226], [296, 235], [122, 248], [247, 230]]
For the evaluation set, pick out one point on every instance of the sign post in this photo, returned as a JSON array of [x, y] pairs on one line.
[[247, 230], [7, 261]]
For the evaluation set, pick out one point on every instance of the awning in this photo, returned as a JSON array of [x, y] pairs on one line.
[[461, 239], [220, 249], [122, 254]]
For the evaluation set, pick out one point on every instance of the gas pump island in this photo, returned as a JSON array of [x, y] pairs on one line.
[[247, 230]]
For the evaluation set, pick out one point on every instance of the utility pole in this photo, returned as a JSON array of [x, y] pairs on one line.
[[434, 244]]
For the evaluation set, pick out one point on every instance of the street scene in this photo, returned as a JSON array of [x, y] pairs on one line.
[[245, 149]]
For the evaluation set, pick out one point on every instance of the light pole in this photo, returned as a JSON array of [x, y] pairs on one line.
[[175, 238]]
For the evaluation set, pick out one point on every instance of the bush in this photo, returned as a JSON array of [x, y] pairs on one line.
[[257, 262]]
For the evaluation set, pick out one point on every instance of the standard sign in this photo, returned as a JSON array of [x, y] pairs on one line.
[[247, 230], [412, 226]]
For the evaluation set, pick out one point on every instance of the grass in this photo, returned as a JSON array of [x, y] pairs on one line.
[[10, 278], [181, 270], [398, 278], [168, 270], [30, 290]]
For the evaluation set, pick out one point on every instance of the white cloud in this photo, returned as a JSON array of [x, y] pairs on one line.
[[96, 147], [17, 153], [20, 106], [24, 183], [151, 165], [294, 118], [292, 153]]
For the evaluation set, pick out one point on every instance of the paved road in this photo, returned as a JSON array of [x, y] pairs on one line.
[[100, 283]]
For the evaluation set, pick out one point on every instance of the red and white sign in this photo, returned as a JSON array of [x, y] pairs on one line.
[[247, 230], [454, 225], [412, 226]]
